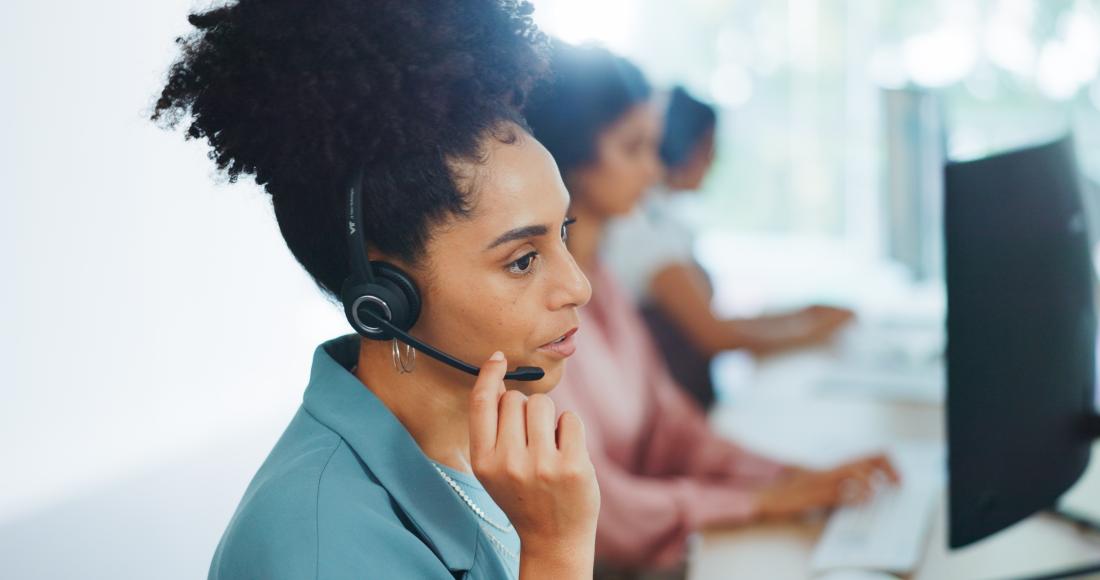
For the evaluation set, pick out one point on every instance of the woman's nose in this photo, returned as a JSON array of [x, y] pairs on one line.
[[573, 289]]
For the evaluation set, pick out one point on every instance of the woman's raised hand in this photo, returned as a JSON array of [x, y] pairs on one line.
[[535, 465]]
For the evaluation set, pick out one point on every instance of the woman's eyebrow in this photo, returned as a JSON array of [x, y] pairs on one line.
[[519, 234]]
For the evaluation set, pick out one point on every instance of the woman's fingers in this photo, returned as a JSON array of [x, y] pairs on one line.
[[854, 490], [859, 481], [541, 435], [571, 435], [884, 466], [876, 469], [512, 429], [484, 406], [805, 490]]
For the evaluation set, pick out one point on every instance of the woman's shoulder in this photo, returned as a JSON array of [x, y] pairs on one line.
[[637, 247], [313, 510]]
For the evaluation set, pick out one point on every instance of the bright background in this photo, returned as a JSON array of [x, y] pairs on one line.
[[799, 84], [155, 335]]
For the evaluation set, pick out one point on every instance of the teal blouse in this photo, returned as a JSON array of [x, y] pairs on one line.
[[347, 493]]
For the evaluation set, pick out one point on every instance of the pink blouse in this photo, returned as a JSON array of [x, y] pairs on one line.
[[663, 473]]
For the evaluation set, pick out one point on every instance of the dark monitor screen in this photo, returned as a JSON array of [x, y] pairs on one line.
[[1021, 328]]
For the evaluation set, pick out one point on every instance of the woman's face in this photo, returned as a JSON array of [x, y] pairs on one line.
[[689, 176], [502, 278], [626, 164]]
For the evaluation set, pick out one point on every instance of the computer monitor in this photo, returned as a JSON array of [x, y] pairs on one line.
[[1021, 328]]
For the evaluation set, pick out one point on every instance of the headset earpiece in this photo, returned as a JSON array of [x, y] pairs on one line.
[[393, 295]]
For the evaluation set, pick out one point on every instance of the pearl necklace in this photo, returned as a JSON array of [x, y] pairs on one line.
[[499, 545], [469, 502]]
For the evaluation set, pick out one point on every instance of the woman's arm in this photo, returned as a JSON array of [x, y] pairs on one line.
[[681, 291], [645, 520]]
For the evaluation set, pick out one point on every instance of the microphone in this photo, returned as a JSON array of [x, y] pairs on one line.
[[520, 374]]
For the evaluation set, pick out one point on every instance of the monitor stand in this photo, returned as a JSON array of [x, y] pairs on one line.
[[1085, 522], [1081, 504]]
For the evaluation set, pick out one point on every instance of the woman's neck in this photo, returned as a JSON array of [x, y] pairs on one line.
[[432, 402]]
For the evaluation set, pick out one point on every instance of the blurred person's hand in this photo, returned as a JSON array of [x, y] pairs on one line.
[[535, 465], [809, 326], [822, 322], [804, 490]]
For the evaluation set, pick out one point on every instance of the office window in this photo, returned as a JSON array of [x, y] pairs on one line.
[[801, 84]]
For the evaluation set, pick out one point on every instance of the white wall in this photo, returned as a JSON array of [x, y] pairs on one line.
[[155, 333]]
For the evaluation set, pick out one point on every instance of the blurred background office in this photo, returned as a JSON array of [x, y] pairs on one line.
[[131, 277], [819, 99], [835, 118]]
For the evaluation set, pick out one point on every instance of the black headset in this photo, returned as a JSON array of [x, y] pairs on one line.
[[382, 302]]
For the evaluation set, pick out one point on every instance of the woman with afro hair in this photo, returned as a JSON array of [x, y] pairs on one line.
[[393, 130]]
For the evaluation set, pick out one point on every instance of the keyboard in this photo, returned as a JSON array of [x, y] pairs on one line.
[[886, 533]]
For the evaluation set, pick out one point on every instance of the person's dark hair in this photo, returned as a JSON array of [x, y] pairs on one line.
[[297, 94], [588, 89], [687, 121]]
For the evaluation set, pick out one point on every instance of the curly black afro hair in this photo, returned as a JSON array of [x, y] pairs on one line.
[[299, 94]]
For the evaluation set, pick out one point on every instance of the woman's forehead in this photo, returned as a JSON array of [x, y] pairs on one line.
[[643, 116], [517, 185]]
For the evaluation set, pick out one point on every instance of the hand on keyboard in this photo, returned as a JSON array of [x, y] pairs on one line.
[[804, 490], [887, 533]]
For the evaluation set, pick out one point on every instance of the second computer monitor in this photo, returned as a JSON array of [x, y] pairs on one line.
[[1021, 329]]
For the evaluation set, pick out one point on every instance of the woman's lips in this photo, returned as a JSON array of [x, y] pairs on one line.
[[564, 347]]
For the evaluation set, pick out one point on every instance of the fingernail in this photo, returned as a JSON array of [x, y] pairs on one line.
[[497, 356]]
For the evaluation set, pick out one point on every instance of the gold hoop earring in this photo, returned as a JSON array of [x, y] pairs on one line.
[[405, 363]]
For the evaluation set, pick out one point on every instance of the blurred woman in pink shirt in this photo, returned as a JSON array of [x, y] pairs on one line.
[[663, 473]]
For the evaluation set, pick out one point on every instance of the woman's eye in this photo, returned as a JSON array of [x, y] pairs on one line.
[[523, 265]]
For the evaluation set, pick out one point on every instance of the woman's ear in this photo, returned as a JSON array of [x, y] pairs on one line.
[[376, 255], [417, 272]]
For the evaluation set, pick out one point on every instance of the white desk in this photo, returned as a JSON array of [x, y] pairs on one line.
[[782, 411]]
